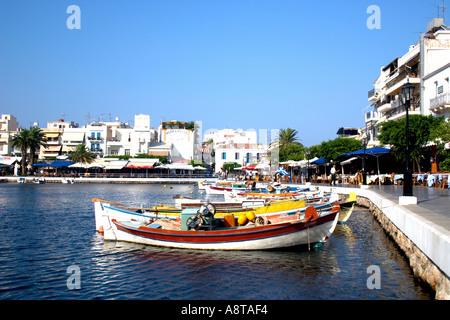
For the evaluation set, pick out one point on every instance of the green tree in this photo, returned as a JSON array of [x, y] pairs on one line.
[[420, 127], [332, 149], [37, 139], [22, 140], [292, 151], [230, 166], [289, 146], [440, 135], [81, 154]]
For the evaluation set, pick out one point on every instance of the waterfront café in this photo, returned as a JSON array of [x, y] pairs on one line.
[[52, 168], [319, 176], [298, 170], [364, 154]]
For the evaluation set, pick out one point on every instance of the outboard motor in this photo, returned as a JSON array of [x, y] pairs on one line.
[[204, 219]]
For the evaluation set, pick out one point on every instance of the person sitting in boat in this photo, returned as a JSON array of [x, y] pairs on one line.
[[251, 184]]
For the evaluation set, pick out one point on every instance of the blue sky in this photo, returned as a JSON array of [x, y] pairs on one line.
[[251, 64]]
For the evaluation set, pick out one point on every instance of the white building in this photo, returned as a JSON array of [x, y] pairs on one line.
[[118, 138], [425, 66], [181, 137], [436, 94], [72, 137], [8, 127], [236, 146], [110, 138]]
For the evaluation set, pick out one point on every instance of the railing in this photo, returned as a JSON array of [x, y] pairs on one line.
[[95, 138], [401, 109], [440, 100], [372, 116]]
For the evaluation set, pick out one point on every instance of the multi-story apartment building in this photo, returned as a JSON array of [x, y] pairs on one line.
[[8, 127], [119, 138], [426, 62], [101, 138], [55, 138]]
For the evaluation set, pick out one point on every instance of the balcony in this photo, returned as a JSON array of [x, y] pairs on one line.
[[373, 95], [95, 138], [372, 116], [397, 84], [97, 150], [400, 112], [441, 103]]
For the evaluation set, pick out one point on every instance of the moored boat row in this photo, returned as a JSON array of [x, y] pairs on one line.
[[251, 221]]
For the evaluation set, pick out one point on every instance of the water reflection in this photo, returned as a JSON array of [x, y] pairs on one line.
[[46, 228]]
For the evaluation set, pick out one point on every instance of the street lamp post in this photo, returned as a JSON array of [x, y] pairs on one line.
[[406, 95], [364, 141], [308, 152]]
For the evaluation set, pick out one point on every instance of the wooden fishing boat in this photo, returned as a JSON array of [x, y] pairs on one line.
[[210, 234], [121, 212]]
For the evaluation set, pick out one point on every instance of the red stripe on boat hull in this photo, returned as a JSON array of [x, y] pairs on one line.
[[221, 236]]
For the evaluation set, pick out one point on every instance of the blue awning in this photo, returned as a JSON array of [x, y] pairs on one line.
[[372, 151], [41, 164], [61, 164], [319, 161]]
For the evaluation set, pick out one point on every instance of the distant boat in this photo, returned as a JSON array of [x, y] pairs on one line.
[[38, 180], [68, 180], [198, 229]]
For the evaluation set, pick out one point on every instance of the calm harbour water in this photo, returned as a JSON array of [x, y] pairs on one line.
[[44, 229]]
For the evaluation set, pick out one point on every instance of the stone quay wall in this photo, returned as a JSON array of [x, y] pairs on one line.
[[422, 266]]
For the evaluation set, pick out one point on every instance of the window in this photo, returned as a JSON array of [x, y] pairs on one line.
[[127, 152], [224, 156], [236, 156], [248, 157], [440, 89], [98, 135], [92, 134]]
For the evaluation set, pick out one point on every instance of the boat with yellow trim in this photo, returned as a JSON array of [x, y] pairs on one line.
[[124, 212]]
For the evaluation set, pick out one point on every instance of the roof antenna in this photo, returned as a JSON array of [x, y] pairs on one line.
[[443, 11]]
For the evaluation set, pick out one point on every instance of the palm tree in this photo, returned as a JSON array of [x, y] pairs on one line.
[[287, 137], [81, 154], [37, 139], [22, 140]]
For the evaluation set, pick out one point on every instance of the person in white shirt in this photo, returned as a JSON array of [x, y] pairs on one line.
[[333, 175]]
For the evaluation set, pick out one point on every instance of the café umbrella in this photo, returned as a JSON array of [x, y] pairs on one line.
[[375, 151]]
